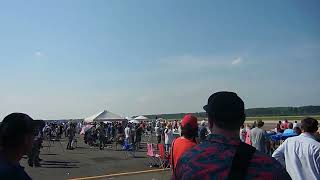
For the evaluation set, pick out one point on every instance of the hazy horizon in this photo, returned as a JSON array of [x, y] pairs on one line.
[[72, 59]]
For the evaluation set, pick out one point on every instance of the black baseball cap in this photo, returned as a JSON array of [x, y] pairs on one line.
[[15, 126], [227, 108]]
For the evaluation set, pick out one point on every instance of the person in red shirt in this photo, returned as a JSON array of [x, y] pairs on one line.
[[285, 124], [189, 131]]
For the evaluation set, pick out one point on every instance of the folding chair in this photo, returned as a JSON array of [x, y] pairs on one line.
[[153, 158], [128, 148], [164, 157]]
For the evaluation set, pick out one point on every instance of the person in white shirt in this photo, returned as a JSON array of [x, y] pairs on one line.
[[127, 132], [168, 137], [242, 133], [300, 155], [296, 124], [158, 132], [179, 129]]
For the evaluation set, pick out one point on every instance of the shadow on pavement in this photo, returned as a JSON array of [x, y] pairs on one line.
[[138, 157], [80, 147], [63, 162], [49, 154], [59, 164], [59, 167]]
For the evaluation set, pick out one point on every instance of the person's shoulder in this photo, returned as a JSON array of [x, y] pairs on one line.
[[268, 165], [264, 165], [193, 153], [179, 139], [184, 141], [260, 129], [265, 162], [303, 139], [313, 143], [13, 173]]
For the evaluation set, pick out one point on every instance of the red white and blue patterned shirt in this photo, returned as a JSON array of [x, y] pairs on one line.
[[212, 159]]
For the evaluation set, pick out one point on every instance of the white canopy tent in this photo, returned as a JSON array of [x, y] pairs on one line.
[[104, 116], [134, 121], [160, 119], [129, 118], [141, 118]]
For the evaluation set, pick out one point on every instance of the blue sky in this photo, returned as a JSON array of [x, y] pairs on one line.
[[70, 59]]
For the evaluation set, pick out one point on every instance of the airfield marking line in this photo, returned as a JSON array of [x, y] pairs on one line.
[[120, 174]]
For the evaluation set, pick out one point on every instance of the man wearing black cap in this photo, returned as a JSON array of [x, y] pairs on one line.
[[223, 155], [16, 139]]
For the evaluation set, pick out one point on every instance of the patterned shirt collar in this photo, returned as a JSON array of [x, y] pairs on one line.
[[218, 138]]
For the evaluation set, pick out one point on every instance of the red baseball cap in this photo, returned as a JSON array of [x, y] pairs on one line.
[[191, 120]]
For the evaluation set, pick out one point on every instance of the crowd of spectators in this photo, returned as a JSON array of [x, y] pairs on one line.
[[213, 150]]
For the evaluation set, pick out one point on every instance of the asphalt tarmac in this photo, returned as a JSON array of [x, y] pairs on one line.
[[59, 163]]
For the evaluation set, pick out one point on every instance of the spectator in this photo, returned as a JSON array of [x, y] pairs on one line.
[[242, 133], [290, 130], [108, 129], [148, 129], [168, 137], [113, 131], [285, 124], [175, 125], [203, 132], [16, 139], [133, 134], [317, 136], [300, 155], [164, 126], [248, 129], [254, 124], [296, 124], [139, 131], [278, 129], [189, 127], [282, 127], [158, 132], [179, 128], [71, 132], [127, 132], [223, 155], [258, 137], [120, 129], [101, 135], [33, 155], [297, 131]]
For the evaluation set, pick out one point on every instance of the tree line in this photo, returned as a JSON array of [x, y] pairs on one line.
[[254, 112]]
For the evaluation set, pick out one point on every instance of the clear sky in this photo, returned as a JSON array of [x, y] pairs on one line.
[[73, 58]]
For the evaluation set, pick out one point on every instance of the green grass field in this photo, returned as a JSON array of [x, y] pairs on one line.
[[271, 118], [278, 118]]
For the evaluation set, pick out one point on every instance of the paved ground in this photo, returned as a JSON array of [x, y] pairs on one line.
[[165, 175], [59, 163], [137, 175]]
